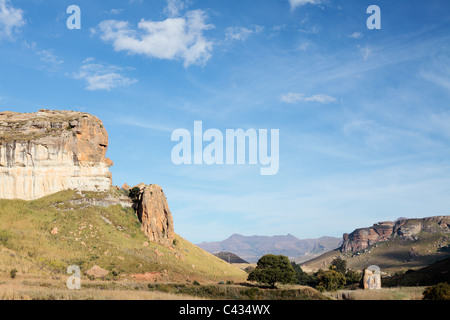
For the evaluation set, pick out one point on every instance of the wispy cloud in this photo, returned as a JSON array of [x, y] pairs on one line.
[[135, 122], [299, 3], [366, 52], [11, 19], [99, 76], [241, 33], [172, 39], [441, 78], [175, 7], [293, 97], [49, 57], [356, 35], [115, 11]]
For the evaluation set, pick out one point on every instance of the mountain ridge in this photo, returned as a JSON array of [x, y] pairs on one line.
[[393, 246], [251, 248]]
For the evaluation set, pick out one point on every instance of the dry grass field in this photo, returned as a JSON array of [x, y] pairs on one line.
[[401, 293]]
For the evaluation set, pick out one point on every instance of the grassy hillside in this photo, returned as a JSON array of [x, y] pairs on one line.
[[433, 274], [391, 256], [108, 237]]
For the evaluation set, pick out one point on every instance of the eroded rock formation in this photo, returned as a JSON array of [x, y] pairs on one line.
[[49, 151], [154, 213], [406, 229]]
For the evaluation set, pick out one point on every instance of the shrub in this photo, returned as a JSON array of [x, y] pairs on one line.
[[302, 277], [339, 265], [249, 269], [330, 280], [440, 291], [135, 193], [4, 237], [196, 283], [13, 273], [353, 277]]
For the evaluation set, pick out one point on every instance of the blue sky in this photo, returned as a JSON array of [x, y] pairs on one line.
[[364, 115]]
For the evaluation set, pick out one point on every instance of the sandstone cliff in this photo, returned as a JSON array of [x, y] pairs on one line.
[[49, 151], [154, 213], [406, 229]]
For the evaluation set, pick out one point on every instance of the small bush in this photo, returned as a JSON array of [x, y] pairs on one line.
[[4, 237], [13, 273], [353, 277], [330, 280], [196, 283], [135, 193], [440, 291]]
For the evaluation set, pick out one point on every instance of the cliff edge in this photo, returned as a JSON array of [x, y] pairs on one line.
[[49, 151], [405, 229]]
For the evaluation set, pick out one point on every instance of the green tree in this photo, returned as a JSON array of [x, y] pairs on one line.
[[302, 277], [339, 265], [272, 269], [330, 280], [440, 291], [353, 277]]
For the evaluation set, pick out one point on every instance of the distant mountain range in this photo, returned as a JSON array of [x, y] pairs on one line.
[[251, 248], [230, 257]]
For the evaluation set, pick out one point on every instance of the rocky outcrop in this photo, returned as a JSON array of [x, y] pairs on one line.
[[97, 272], [405, 229], [49, 151], [154, 213]]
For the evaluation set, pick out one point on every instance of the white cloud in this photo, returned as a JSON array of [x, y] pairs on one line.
[[311, 30], [299, 3], [356, 35], [293, 97], [241, 33], [100, 76], [440, 80], [175, 7], [303, 47], [49, 57], [366, 52], [171, 39], [11, 19], [115, 11]]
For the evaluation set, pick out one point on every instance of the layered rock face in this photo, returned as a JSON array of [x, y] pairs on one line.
[[406, 229], [49, 151], [153, 211]]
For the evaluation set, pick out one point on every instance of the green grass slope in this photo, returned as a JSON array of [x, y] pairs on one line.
[[109, 237]]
